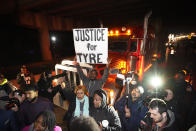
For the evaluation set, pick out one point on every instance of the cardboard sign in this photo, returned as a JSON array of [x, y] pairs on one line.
[[91, 45]]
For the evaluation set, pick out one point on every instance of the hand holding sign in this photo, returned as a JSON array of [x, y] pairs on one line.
[[91, 45], [109, 61]]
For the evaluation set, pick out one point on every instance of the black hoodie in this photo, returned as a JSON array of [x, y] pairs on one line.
[[106, 112]]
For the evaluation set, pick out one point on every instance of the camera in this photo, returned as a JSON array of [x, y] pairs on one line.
[[12, 102], [146, 124]]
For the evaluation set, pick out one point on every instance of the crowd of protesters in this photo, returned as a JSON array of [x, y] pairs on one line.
[[29, 107]]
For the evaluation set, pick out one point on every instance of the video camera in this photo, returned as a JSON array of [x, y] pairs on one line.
[[10, 102]]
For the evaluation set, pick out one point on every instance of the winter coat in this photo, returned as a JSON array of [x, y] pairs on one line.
[[28, 111], [137, 110], [6, 86], [106, 112], [71, 97], [44, 85], [8, 121]]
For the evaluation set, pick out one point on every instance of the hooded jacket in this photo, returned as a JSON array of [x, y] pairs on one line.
[[106, 112]]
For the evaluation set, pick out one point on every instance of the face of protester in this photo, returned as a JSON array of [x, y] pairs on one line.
[[97, 101], [80, 94], [169, 96], [38, 124], [135, 94], [30, 95], [156, 116], [93, 75]]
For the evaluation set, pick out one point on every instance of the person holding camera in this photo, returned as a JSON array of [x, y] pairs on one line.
[[8, 119], [45, 87], [159, 118], [32, 106], [131, 109]]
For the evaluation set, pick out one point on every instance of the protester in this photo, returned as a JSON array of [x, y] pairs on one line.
[[159, 117], [45, 121], [8, 120], [133, 80], [91, 82], [32, 106], [5, 85], [184, 94], [46, 89], [25, 77], [84, 123], [79, 104], [105, 115], [131, 109]]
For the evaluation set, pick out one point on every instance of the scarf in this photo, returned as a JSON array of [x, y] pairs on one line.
[[85, 107]]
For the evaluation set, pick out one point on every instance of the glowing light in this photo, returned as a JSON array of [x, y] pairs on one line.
[[129, 31], [53, 38], [111, 93], [123, 28], [55, 80], [117, 32], [141, 89], [172, 51], [156, 81], [141, 67], [148, 67], [122, 66], [185, 72], [155, 55]]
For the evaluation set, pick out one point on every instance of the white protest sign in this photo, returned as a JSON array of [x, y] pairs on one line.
[[91, 45]]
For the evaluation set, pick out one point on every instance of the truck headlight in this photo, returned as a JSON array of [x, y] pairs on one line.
[[156, 81]]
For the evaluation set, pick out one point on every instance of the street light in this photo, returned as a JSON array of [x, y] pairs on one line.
[[53, 38]]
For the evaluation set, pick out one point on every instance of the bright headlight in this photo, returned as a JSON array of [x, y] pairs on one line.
[[156, 81]]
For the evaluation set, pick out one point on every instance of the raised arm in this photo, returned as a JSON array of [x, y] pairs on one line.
[[106, 71], [80, 72]]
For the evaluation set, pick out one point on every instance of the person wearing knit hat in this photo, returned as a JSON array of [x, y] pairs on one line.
[[105, 115]]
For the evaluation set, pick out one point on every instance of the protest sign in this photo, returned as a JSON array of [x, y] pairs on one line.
[[91, 45]]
